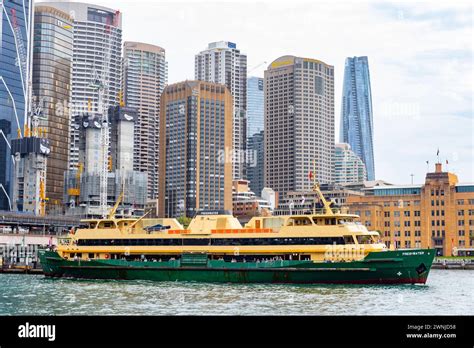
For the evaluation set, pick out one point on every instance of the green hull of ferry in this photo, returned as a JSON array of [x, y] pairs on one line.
[[385, 267]]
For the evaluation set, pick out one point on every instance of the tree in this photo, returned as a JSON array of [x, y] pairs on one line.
[[184, 220]]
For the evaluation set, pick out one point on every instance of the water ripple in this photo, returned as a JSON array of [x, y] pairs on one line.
[[447, 292]]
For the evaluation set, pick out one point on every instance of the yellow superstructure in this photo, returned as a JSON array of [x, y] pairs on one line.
[[329, 236]]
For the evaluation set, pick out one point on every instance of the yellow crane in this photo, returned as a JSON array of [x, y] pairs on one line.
[[76, 191]]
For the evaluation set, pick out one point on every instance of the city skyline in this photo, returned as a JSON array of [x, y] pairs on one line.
[[406, 43]]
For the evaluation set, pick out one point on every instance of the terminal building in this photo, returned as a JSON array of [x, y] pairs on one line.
[[307, 202], [437, 214]]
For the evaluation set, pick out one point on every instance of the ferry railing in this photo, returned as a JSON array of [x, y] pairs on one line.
[[307, 211]]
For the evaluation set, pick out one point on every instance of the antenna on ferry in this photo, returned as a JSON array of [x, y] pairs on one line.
[[119, 200], [315, 183], [114, 208], [326, 204]]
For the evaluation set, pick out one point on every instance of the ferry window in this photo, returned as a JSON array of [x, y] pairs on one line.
[[318, 221], [91, 255], [299, 221], [220, 241], [348, 240], [364, 239], [330, 221]]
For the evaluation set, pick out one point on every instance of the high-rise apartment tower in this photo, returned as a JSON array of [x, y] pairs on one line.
[[145, 77], [223, 63]]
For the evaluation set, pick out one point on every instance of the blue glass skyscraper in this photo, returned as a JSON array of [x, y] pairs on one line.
[[356, 112], [254, 106], [15, 19], [255, 163]]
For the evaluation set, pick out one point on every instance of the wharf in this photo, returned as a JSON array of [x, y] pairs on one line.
[[16, 270], [453, 264]]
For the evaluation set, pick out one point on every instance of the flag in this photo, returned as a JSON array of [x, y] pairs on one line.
[[437, 153], [447, 162], [427, 162], [302, 200], [310, 175]]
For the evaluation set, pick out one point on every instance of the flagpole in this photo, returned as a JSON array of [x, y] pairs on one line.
[[314, 184]]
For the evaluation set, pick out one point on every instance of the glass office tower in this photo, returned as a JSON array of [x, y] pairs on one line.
[[195, 140], [15, 19], [51, 82], [299, 123], [356, 127], [254, 106], [255, 163]]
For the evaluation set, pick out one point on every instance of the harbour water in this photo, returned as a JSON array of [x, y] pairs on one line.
[[446, 292]]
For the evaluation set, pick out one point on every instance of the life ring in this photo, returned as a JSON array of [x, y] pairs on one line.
[[107, 256]]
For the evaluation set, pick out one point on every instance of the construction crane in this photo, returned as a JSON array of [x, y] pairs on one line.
[[20, 45], [256, 67]]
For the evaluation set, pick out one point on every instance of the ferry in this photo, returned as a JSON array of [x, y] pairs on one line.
[[327, 246]]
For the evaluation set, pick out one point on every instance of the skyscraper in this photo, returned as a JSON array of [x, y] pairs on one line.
[[83, 188], [348, 167], [97, 44], [15, 58], [255, 162], [195, 138], [356, 127], [52, 68], [299, 123], [255, 107], [145, 77], [223, 63]]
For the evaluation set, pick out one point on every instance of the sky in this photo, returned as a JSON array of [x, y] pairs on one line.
[[420, 59]]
